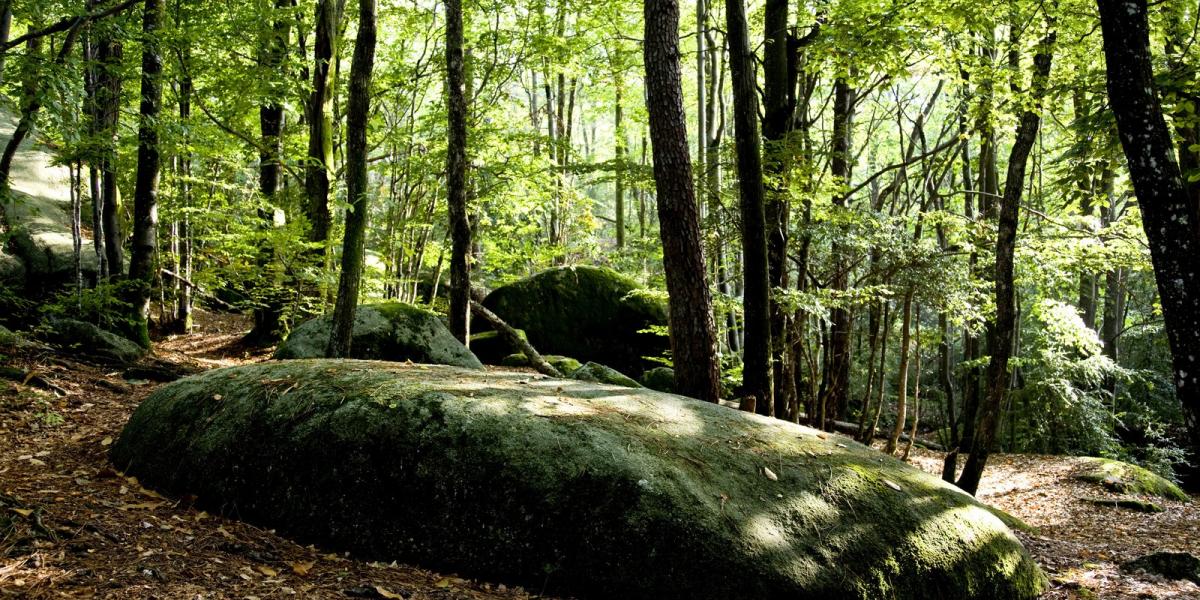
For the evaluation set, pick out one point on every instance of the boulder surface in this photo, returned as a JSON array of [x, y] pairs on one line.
[[575, 487], [587, 313], [392, 331]]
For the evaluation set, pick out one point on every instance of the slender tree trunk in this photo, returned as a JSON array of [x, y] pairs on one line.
[[320, 118], [693, 336], [756, 372], [5, 30], [619, 168], [902, 385], [778, 109], [456, 175], [142, 261], [1000, 342], [268, 315], [1171, 218], [358, 113], [108, 101], [183, 308]]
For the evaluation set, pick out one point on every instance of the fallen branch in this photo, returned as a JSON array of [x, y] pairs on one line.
[[30, 377], [515, 340]]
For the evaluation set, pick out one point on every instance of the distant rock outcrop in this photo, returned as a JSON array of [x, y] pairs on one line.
[[587, 313], [37, 215]]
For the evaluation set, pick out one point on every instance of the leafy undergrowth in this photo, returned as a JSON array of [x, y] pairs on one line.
[[72, 527]]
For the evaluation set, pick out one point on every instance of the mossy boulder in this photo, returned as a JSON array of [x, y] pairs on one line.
[[589, 313], [37, 211], [1172, 565], [491, 347], [565, 364], [661, 379], [93, 342], [598, 373], [392, 331], [1124, 478], [8, 338], [573, 487]]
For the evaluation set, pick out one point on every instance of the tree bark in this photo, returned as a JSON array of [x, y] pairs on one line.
[[142, 269], [320, 119], [693, 336], [1000, 342], [358, 112], [757, 379], [1170, 217], [456, 175]]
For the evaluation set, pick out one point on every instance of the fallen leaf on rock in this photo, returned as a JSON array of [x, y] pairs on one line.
[[770, 474], [891, 484], [24, 512], [106, 441], [268, 571]]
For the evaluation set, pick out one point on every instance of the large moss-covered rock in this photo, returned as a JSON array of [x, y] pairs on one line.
[[589, 313], [598, 373], [37, 209], [93, 342], [491, 347], [660, 378], [392, 331], [579, 488], [1124, 478]]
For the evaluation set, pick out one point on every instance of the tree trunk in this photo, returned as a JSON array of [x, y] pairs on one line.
[[268, 315], [1000, 342], [142, 269], [456, 175], [320, 119], [693, 337], [1170, 218], [837, 386], [902, 384], [757, 378], [358, 112], [108, 101], [778, 109], [183, 308]]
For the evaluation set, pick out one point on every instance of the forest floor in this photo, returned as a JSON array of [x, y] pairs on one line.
[[72, 527]]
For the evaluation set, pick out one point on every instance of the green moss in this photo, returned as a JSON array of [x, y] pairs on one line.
[[590, 313], [598, 373], [1131, 479], [392, 331], [612, 492], [491, 347], [661, 379], [1129, 503]]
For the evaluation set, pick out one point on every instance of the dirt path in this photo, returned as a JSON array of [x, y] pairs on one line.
[[71, 527]]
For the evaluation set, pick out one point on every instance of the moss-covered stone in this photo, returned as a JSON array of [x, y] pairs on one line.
[[578, 488], [93, 342], [491, 347], [661, 379], [1172, 565], [8, 338], [392, 331], [515, 360], [590, 313], [1125, 478], [598, 373], [1133, 504]]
